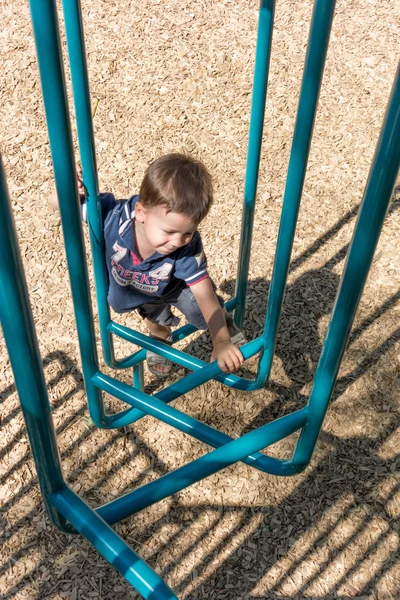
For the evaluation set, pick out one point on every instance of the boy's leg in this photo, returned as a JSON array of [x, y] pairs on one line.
[[158, 319], [186, 303], [158, 331]]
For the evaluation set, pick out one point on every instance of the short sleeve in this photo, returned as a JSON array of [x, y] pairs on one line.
[[107, 202], [191, 266]]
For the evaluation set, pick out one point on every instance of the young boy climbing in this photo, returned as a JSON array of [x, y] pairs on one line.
[[155, 258]]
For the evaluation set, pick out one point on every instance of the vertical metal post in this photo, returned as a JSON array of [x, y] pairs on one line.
[[61, 502], [138, 377], [261, 70], [20, 336], [317, 47], [378, 191], [48, 47], [84, 121]]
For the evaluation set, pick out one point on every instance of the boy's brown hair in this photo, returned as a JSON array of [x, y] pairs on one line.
[[180, 183]]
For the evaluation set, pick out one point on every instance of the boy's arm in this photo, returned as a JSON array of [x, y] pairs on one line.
[[227, 354], [53, 200], [107, 200]]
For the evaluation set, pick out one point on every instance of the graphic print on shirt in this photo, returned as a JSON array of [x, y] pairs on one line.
[[124, 277], [200, 258], [119, 253], [162, 272]]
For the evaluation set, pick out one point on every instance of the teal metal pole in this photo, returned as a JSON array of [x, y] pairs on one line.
[[261, 70], [45, 27], [175, 355], [138, 377], [202, 467], [378, 191], [317, 48], [84, 121], [20, 336], [66, 510], [111, 546], [155, 406]]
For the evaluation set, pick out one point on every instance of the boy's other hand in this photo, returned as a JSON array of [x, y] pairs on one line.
[[79, 177], [228, 356], [53, 200]]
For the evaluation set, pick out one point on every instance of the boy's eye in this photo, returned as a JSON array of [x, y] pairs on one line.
[[172, 232]]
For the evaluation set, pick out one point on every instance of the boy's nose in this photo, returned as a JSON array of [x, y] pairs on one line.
[[177, 241]]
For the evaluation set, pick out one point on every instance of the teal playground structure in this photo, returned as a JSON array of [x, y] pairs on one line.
[[67, 511]]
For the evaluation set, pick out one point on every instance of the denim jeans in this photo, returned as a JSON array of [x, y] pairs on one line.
[[159, 309]]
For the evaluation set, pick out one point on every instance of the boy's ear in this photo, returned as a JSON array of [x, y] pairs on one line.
[[140, 212]]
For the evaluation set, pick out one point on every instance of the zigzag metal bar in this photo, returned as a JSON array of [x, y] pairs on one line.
[[177, 356], [204, 466], [155, 406]]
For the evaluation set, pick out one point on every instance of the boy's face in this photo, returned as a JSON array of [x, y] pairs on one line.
[[164, 231]]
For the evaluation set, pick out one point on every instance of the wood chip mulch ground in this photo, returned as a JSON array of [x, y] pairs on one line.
[[177, 75]]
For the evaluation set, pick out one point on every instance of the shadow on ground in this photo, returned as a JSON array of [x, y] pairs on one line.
[[306, 546]]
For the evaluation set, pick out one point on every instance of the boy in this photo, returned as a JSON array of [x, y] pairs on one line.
[[155, 257]]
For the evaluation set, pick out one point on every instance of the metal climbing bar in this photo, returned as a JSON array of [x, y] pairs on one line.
[[81, 93], [202, 467], [66, 510], [20, 337], [180, 357], [110, 545], [261, 71], [48, 48], [317, 48], [377, 195]]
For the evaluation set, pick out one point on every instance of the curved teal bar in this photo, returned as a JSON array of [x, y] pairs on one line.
[[317, 48], [109, 544], [202, 467], [20, 336], [377, 195], [260, 83], [84, 122], [182, 358]]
